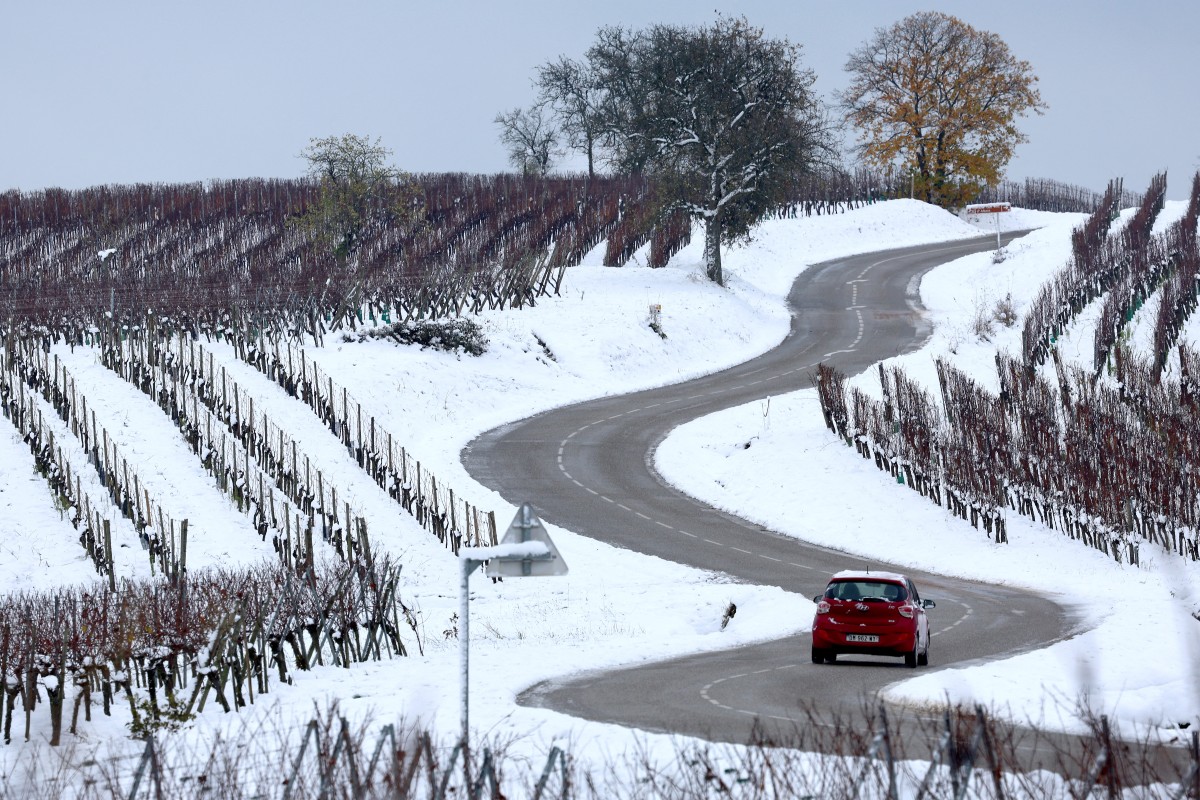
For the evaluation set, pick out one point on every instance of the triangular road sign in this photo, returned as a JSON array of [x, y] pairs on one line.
[[526, 527]]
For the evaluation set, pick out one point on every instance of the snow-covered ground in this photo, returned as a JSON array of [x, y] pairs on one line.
[[1138, 659]]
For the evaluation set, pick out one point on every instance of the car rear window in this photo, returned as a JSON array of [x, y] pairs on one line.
[[866, 590]]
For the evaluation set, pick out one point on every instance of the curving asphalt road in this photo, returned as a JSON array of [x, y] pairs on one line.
[[588, 467]]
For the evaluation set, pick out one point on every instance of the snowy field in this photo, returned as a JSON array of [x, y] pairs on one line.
[[619, 608]]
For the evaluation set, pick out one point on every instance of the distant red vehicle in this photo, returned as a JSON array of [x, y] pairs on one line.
[[871, 613]]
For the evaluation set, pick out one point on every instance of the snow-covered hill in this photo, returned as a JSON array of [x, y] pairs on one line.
[[595, 339]]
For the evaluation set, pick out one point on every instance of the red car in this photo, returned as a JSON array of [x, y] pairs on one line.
[[871, 613]]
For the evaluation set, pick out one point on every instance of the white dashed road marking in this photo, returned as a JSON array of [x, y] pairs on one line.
[[706, 692], [969, 611]]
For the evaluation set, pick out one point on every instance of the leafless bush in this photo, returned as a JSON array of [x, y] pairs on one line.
[[983, 322], [988, 313], [959, 753], [1004, 312]]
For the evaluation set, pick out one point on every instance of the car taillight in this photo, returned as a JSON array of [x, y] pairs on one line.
[[823, 607], [906, 611]]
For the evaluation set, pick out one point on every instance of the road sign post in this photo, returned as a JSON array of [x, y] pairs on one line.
[[525, 551], [990, 208]]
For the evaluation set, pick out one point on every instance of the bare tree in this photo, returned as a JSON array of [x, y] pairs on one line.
[[723, 118], [531, 139], [572, 89]]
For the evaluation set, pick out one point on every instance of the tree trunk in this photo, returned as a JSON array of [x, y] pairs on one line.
[[712, 250]]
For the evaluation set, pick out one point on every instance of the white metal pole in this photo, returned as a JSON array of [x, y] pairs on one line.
[[464, 642]]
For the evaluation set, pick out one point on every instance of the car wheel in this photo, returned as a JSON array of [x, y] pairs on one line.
[[818, 656], [923, 659], [910, 658]]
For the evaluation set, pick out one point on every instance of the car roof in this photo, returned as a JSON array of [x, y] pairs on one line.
[[868, 575]]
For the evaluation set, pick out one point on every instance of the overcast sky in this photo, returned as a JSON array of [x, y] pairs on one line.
[[126, 91]]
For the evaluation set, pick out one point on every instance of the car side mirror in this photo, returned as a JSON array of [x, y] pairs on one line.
[[928, 604], [818, 598]]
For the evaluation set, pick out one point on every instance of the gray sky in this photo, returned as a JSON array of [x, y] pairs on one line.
[[127, 91]]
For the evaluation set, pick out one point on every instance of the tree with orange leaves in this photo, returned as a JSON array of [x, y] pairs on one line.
[[937, 98]]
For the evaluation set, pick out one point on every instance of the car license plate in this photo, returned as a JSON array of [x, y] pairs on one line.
[[861, 637]]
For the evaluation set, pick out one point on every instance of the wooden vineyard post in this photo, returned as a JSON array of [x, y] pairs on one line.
[[4, 644], [304, 372], [262, 498], [150, 552], [112, 574], [170, 563], [125, 471], [365, 542], [299, 527], [221, 476], [181, 568], [107, 471], [321, 490], [165, 534], [308, 544], [74, 410], [345, 418], [282, 452]]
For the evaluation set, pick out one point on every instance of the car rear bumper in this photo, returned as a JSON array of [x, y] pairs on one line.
[[889, 644]]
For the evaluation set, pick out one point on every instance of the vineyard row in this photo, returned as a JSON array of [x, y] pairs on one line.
[[167, 648], [202, 255], [1102, 465], [1123, 271]]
